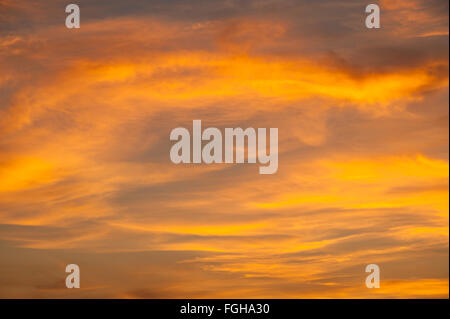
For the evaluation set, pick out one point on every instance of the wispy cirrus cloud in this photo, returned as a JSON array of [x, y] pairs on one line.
[[85, 174]]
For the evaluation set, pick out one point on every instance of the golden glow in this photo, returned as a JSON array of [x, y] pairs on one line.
[[24, 173], [363, 162]]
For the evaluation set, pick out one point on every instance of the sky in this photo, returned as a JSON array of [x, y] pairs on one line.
[[363, 149]]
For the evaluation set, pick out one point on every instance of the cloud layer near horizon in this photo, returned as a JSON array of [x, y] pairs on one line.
[[85, 174]]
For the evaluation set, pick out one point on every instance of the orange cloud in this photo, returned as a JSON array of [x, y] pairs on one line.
[[85, 171]]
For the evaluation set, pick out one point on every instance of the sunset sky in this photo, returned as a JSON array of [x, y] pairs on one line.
[[363, 164]]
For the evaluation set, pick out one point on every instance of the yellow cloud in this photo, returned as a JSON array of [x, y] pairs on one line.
[[25, 173]]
